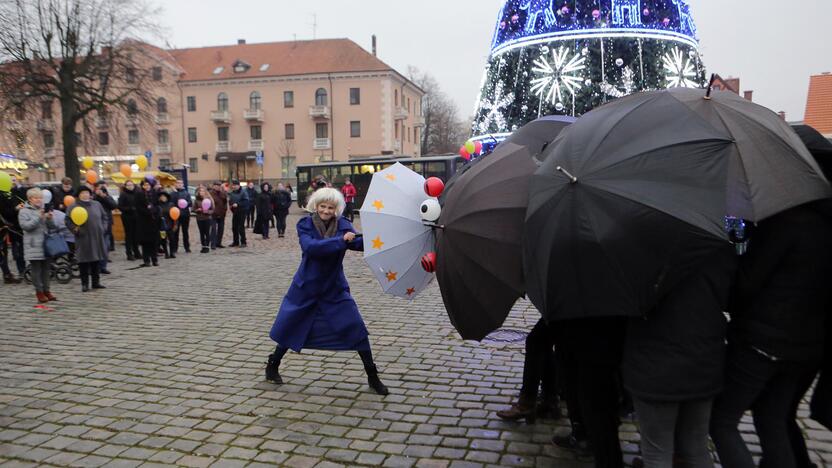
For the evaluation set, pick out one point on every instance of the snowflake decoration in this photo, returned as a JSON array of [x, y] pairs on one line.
[[679, 70], [559, 76], [495, 109], [628, 84]]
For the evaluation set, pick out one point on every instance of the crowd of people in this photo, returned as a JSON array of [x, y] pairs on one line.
[[154, 219]]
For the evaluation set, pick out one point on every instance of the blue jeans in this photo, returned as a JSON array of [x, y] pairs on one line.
[[674, 428]]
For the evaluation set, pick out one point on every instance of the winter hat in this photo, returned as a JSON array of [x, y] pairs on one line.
[[83, 188]]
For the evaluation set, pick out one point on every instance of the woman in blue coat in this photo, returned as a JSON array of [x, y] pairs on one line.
[[318, 311]]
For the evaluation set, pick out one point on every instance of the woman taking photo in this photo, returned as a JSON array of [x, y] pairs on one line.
[[204, 217], [318, 311]]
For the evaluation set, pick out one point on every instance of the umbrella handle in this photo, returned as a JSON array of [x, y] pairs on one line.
[[710, 87], [433, 225], [567, 174]]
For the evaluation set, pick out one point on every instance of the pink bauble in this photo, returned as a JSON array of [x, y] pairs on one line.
[[596, 14], [478, 147]]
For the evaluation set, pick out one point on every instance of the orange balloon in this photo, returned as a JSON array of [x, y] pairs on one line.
[[126, 170], [174, 213], [69, 200], [92, 176]]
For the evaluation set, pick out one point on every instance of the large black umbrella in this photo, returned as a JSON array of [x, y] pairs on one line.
[[538, 134], [818, 145], [638, 190], [479, 250]]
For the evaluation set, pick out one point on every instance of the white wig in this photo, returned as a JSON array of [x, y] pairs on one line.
[[326, 195]]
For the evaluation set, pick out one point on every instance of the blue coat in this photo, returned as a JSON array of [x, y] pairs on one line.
[[318, 311]]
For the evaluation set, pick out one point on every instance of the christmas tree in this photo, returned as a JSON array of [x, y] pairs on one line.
[[566, 57]]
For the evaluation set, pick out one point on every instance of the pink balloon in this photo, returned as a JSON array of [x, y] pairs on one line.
[[464, 153], [182, 203], [478, 145], [206, 204]]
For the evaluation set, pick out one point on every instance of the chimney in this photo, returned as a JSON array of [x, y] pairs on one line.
[[375, 46], [782, 115], [749, 95], [241, 42]]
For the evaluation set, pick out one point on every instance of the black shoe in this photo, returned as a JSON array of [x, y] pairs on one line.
[[234, 245], [99, 286], [130, 258], [569, 442], [375, 382], [145, 264], [272, 371], [220, 246], [155, 263], [548, 408], [105, 272], [243, 245], [172, 255], [205, 250], [167, 256], [187, 250], [84, 288]]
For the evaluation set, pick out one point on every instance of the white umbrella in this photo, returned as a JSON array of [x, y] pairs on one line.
[[395, 239]]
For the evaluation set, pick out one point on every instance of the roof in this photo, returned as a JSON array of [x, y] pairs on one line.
[[819, 104], [730, 83], [282, 58]]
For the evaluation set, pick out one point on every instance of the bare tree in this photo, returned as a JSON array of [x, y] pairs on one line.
[[444, 130], [89, 55]]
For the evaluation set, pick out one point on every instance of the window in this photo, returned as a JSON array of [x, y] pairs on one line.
[[46, 110], [133, 137], [48, 140], [288, 165], [321, 97], [396, 98], [164, 162], [19, 113], [256, 132], [407, 132], [103, 139], [162, 136], [132, 108], [218, 70], [288, 99], [130, 75], [322, 130], [222, 133], [77, 139], [289, 131], [161, 106], [194, 164], [264, 67], [355, 129], [191, 103], [157, 73], [355, 96], [408, 104], [397, 130], [254, 101], [222, 102], [191, 134]]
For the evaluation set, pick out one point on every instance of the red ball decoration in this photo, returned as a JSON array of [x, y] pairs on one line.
[[429, 262], [465, 154], [434, 186], [478, 145]]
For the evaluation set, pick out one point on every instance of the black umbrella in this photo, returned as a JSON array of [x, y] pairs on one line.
[[479, 250], [818, 145], [538, 134], [637, 191]]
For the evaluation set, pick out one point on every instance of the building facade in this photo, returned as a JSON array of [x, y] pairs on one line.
[[246, 111]]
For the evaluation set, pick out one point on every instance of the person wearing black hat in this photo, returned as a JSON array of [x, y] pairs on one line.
[[90, 246], [239, 203], [148, 220]]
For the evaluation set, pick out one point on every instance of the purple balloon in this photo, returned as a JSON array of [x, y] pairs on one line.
[[182, 203], [206, 204]]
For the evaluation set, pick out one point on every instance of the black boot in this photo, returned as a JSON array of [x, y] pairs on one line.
[[85, 284], [272, 371], [375, 382]]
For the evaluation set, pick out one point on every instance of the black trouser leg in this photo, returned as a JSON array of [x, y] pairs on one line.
[[281, 222], [95, 272], [148, 251], [84, 269], [185, 227], [204, 227], [539, 362]]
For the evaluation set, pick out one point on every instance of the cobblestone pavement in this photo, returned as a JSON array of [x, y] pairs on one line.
[[165, 367]]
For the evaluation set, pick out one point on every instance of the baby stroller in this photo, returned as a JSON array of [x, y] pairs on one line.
[[60, 269]]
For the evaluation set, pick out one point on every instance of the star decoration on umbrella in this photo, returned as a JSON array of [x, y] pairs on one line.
[[378, 205], [391, 276], [411, 291], [390, 177], [377, 243]]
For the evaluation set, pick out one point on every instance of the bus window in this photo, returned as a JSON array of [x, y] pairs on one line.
[[435, 169]]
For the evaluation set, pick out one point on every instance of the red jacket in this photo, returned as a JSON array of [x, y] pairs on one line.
[[349, 192]]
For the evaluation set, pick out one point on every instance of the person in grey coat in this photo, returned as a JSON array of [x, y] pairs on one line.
[[90, 247], [34, 222]]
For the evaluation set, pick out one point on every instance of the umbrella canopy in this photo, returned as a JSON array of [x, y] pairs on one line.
[[395, 239], [479, 250], [538, 134], [638, 190], [818, 145]]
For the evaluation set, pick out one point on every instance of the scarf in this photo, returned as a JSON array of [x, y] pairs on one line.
[[326, 230]]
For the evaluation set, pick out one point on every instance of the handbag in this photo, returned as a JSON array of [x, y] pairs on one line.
[[54, 245]]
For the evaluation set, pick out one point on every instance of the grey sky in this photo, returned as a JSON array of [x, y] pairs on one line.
[[773, 46]]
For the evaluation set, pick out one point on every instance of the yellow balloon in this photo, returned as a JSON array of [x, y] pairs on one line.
[[5, 182], [141, 161], [470, 146], [87, 162], [79, 215]]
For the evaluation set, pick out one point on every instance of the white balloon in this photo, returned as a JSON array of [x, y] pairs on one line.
[[47, 196]]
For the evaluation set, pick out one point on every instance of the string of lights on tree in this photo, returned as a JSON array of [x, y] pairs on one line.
[[566, 57]]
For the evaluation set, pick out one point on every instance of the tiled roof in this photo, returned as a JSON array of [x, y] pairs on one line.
[[819, 104], [282, 58]]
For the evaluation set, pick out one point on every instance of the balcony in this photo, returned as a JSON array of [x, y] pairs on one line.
[[162, 119], [50, 153], [223, 147], [221, 116], [163, 148], [419, 121], [256, 145], [16, 125], [255, 115], [132, 120], [401, 113], [134, 149], [102, 122], [46, 124], [321, 144], [319, 112]]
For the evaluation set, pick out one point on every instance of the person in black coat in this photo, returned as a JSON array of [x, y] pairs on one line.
[[183, 224], [127, 207], [148, 223], [264, 210], [674, 360], [9, 225], [252, 197], [776, 336], [60, 193], [282, 202]]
